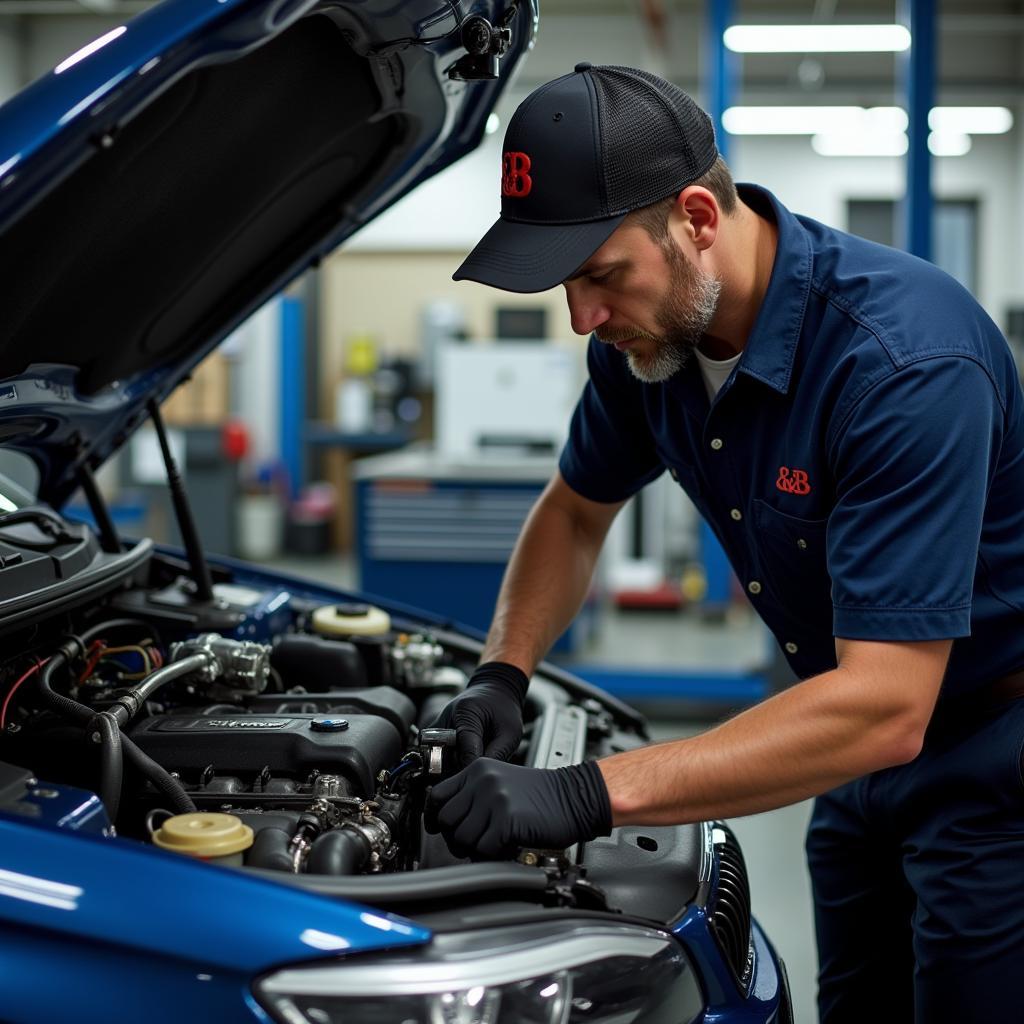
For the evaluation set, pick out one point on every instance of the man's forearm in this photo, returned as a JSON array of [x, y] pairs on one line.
[[802, 742], [544, 586]]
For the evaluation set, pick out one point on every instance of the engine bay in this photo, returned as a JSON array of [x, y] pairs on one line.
[[308, 723]]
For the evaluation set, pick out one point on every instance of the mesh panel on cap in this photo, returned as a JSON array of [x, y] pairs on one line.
[[655, 138]]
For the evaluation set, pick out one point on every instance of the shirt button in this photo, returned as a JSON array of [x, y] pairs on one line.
[[716, 444], [736, 514], [802, 544], [791, 648], [675, 475], [754, 587]]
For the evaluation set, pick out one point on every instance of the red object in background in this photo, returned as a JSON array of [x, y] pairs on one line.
[[234, 439], [666, 597]]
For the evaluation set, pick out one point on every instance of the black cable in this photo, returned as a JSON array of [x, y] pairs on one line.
[[116, 625]]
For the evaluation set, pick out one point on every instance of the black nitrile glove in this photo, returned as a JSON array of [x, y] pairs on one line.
[[491, 808], [488, 715]]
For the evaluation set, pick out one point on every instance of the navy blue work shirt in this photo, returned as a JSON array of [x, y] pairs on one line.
[[863, 464]]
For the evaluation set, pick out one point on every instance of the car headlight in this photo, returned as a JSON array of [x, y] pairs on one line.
[[537, 974]]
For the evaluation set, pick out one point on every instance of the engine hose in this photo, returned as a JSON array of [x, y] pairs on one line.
[[105, 730], [270, 850], [338, 852], [158, 776], [55, 701]]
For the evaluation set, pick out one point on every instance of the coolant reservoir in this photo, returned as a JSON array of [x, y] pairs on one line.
[[211, 836], [351, 620]]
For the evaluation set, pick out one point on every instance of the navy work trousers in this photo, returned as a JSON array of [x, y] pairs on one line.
[[918, 880]]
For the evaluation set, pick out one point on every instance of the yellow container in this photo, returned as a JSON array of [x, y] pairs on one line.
[[337, 620], [208, 835]]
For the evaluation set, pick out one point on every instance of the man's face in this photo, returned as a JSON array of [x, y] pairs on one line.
[[646, 298]]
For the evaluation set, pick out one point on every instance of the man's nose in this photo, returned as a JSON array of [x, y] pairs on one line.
[[586, 310]]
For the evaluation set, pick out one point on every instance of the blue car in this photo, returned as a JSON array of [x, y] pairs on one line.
[[212, 777]]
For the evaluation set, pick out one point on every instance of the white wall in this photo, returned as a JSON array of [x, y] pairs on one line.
[[820, 186], [454, 209], [10, 81], [49, 40]]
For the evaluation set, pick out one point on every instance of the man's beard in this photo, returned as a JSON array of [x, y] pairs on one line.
[[684, 318]]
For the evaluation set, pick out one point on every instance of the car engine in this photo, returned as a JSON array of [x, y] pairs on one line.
[[312, 745]]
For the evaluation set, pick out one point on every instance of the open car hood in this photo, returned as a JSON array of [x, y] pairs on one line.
[[157, 188]]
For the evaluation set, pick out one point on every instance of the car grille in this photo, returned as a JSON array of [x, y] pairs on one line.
[[729, 910]]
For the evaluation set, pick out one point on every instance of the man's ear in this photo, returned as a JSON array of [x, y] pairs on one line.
[[695, 217]]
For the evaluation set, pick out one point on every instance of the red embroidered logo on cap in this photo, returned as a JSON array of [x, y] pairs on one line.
[[793, 481], [515, 178]]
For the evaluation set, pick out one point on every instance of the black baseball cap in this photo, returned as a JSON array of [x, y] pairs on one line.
[[580, 153]]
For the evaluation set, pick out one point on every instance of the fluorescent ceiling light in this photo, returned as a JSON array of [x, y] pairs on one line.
[[833, 120], [842, 144], [89, 49], [971, 120], [813, 120], [946, 143], [817, 38]]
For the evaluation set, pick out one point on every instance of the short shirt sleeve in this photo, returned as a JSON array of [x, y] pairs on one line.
[[610, 453], [913, 462]]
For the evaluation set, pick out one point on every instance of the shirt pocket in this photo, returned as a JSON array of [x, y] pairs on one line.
[[794, 558]]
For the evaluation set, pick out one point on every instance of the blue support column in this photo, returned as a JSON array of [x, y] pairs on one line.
[[292, 400], [717, 571], [720, 69], [721, 75], [919, 86]]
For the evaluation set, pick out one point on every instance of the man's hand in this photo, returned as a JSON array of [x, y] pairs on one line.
[[488, 715], [491, 809]]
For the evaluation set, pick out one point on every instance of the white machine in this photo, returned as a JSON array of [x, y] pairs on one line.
[[513, 397]]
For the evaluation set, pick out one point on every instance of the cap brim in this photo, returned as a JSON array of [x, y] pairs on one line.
[[518, 257]]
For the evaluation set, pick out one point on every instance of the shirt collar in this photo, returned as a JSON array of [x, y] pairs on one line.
[[771, 347]]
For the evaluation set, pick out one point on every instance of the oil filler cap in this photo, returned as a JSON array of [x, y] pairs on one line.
[[329, 724]]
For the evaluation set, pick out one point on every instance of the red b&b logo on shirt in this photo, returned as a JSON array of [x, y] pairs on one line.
[[515, 177], [793, 481]]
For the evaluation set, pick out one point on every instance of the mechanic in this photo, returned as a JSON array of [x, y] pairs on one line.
[[849, 421]]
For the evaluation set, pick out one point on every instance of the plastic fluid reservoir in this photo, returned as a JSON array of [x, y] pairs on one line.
[[351, 620], [217, 838]]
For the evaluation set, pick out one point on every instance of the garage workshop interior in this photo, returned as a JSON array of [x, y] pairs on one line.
[[264, 463]]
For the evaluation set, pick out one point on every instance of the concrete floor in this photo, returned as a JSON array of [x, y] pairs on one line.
[[772, 842]]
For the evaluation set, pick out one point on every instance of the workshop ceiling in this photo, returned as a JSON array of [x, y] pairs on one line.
[[980, 53]]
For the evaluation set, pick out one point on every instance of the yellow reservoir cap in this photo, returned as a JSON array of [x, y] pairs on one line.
[[351, 620], [204, 834]]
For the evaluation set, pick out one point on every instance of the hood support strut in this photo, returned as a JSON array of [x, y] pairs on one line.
[[182, 511], [104, 524]]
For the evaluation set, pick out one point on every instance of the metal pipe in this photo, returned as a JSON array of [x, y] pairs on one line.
[[131, 701]]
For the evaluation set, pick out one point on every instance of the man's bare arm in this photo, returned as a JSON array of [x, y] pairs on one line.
[[869, 713], [548, 575]]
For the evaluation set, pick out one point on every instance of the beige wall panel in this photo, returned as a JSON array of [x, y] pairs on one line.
[[384, 294]]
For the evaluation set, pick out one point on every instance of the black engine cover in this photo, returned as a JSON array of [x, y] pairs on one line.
[[291, 744]]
